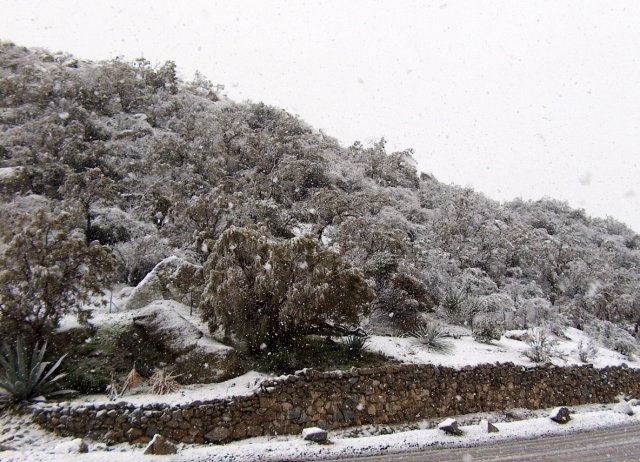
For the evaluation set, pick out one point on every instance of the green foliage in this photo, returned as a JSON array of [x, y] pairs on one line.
[[314, 352], [27, 377], [96, 356], [356, 344], [270, 293], [432, 336]]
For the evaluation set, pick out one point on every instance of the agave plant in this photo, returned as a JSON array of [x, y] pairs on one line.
[[25, 379], [356, 344], [432, 336]]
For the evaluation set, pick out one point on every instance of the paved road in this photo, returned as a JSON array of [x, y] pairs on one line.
[[619, 444]]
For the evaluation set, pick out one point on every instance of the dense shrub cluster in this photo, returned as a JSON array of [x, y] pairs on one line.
[[144, 166]]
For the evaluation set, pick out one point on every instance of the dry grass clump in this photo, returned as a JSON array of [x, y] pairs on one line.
[[163, 382]]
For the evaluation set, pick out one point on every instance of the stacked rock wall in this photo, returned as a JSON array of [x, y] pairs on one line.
[[393, 394]]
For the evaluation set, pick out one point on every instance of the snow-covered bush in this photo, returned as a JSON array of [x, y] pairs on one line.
[[586, 351], [542, 346], [614, 337], [486, 329], [270, 293], [48, 270]]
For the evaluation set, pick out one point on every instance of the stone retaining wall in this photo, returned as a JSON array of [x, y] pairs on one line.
[[384, 395]]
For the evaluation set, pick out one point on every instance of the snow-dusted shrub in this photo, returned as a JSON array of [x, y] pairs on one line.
[[487, 328], [497, 303], [615, 338], [272, 293], [48, 271], [542, 346], [586, 351], [460, 308], [535, 311], [433, 337]]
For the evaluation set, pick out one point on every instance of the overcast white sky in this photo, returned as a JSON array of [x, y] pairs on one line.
[[516, 99]]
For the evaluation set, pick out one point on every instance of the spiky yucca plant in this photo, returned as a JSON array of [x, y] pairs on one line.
[[432, 336], [24, 379], [356, 344]]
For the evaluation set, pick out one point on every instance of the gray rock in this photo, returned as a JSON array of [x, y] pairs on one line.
[[315, 434], [560, 415], [159, 446], [450, 427], [218, 434], [488, 427]]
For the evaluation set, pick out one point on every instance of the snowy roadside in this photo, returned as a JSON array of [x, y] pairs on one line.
[[38, 445]]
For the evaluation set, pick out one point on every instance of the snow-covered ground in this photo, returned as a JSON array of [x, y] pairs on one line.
[[108, 309], [242, 385], [468, 352], [33, 444]]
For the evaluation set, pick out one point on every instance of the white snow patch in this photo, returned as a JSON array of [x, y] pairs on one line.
[[242, 385], [468, 352], [9, 172]]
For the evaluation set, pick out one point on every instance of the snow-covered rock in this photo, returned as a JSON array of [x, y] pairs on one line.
[[560, 415], [172, 279], [195, 355], [623, 408], [76, 446], [488, 427], [314, 434], [450, 426], [168, 329], [159, 446]]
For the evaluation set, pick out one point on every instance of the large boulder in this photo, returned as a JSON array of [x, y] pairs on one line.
[[172, 279], [167, 328], [195, 356]]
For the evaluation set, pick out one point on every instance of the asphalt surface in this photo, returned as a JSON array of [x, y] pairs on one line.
[[619, 444]]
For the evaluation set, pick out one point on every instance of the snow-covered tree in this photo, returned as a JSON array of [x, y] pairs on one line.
[[48, 271], [270, 293]]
